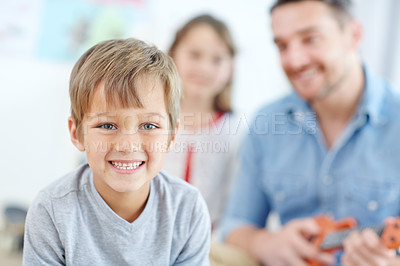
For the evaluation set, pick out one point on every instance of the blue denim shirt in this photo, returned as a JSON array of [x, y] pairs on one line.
[[286, 166]]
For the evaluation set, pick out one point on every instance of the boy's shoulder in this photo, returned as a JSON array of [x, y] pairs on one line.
[[176, 194], [71, 182], [166, 183], [179, 201]]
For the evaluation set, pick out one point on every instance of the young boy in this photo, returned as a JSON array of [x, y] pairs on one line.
[[119, 209]]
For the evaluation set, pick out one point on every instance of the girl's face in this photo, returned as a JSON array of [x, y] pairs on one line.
[[204, 63]]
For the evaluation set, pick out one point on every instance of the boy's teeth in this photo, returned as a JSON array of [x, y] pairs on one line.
[[125, 166]]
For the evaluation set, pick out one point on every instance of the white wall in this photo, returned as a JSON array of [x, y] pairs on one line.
[[34, 139], [35, 146], [381, 46]]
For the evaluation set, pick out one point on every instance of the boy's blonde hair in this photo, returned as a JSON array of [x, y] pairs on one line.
[[119, 64]]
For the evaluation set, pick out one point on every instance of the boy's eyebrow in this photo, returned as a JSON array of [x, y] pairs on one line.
[[155, 114], [93, 116]]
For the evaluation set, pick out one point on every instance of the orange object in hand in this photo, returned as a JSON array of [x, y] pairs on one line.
[[333, 233]]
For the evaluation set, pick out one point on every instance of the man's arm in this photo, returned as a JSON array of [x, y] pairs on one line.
[[289, 246], [365, 248], [247, 204]]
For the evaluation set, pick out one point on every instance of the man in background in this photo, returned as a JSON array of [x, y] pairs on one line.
[[330, 147]]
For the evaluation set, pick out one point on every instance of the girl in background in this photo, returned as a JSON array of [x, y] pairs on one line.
[[207, 141]]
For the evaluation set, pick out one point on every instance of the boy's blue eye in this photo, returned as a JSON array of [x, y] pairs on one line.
[[149, 126], [108, 126]]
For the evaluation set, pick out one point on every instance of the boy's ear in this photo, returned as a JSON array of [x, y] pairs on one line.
[[73, 134], [173, 136]]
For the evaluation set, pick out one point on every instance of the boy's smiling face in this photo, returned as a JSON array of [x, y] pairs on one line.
[[125, 147]]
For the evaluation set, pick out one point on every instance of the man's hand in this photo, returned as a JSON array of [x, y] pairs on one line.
[[366, 248], [289, 246]]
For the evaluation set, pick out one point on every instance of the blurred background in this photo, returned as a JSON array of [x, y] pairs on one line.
[[41, 39]]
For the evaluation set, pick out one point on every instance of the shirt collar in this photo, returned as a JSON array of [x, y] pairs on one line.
[[371, 103]]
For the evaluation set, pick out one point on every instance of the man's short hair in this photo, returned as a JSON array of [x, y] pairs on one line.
[[342, 9], [119, 65]]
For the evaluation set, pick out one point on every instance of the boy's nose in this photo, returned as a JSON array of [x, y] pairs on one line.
[[127, 147], [128, 143]]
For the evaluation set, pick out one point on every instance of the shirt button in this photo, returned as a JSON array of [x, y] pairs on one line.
[[327, 180], [373, 205], [299, 116]]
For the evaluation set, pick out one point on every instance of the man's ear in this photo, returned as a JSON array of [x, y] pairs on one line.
[[356, 31], [74, 135], [173, 136]]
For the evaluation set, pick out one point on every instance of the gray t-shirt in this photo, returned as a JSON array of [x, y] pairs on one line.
[[70, 224]]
